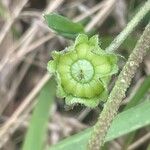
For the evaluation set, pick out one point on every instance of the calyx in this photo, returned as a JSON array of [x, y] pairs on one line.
[[83, 71]]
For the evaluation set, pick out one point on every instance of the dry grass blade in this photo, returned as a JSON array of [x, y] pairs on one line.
[[16, 83], [36, 44], [5, 29], [89, 12], [139, 142], [31, 32], [13, 58], [7, 129], [32, 42], [102, 14]]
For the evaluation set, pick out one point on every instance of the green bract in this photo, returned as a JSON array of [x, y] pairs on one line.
[[83, 71]]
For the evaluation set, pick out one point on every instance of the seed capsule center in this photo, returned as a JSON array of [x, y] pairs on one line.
[[82, 71]]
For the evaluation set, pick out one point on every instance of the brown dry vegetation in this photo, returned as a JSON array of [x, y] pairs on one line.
[[25, 46]]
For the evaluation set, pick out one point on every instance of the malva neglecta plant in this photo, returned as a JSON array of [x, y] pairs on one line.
[[83, 71]]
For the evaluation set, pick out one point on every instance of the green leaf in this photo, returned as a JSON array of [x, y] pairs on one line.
[[145, 86], [136, 99], [63, 25], [37, 129], [148, 148], [125, 122]]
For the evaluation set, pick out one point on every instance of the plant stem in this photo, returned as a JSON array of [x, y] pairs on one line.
[[118, 93], [129, 28]]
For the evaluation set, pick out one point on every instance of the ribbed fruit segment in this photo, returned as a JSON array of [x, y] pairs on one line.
[[70, 87], [65, 78], [65, 59], [99, 60], [96, 87], [63, 69], [88, 91], [79, 92], [103, 69]]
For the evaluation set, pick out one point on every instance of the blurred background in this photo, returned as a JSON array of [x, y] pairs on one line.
[[25, 46]]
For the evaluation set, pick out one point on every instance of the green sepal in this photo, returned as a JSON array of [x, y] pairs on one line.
[[81, 38], [59, 92], [112, 58], [55, 54], [51, 66], [105, 80], [91, 103], [94, 41]]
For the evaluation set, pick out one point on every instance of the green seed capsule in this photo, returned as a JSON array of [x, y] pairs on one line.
[[83, 71]]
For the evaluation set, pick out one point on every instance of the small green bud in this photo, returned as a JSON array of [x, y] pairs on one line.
[[83, 71]]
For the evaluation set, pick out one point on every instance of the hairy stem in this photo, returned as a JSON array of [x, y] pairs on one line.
[[119, 90], [129, 28]]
